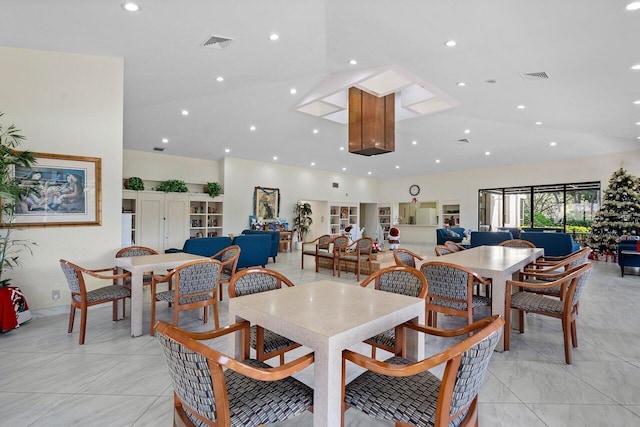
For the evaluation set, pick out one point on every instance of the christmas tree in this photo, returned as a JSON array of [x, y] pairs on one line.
[[619, 213]]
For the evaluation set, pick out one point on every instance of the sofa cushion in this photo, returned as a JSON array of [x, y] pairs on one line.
[[442, 235], [554, 244], [254, 249], [275, 240], [489, 238], [203, 246]]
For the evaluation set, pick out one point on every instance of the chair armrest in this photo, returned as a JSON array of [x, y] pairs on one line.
[[112, 276]]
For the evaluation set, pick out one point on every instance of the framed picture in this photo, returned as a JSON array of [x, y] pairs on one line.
[[66, 191], [266, 203]]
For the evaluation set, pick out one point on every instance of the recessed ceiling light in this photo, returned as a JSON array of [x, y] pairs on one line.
[[274, 37], [538, 123], [521, 107], [293, 91], [341, 148], [553, 143], [637, 102], [467, 131], [165, 140], [185, 112], [638, 137], [313, 163], [353, 62], [275, 157], [130, 6], [414, 142], [635, 67], [397, 166], [219, 79], [315, 131], [344, 169], [638, 123], [487, 153], [252, 128], [437, 160], [227, 150], [450, 43], [634, 5], [461, 84], [369, 173]]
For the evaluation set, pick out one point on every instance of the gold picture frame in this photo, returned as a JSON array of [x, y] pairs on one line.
[[266, 203], [66, 192]]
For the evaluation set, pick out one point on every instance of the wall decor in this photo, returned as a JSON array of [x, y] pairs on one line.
[[66, 191], [266, 203]]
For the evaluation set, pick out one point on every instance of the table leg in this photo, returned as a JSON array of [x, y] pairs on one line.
[[327, 387], [136, 303], [498, 292]]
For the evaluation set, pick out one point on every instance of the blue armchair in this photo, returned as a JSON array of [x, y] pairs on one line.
[[629, 260], [275, 240], [489, 238], [442, 235], [254, 250]]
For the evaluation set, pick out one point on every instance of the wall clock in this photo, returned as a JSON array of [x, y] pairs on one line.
[[414, 190]]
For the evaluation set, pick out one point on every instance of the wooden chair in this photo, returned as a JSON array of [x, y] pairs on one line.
[[195, 285], [402, 280], [450, 291], [266, 343], [213, 389], [357, 253], [406, 257], [566, 310], [337, 244], [517, 243], [406, 392], [136, 251], [320, 245], [442, 250], [454, 247], [229, 258], [82, 299]]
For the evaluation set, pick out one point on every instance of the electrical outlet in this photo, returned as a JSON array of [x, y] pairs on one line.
[[55, 294]]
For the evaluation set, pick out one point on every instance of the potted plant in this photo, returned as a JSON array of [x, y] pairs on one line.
[[134, 183], [173, 186], [302, 221], [213, 189]]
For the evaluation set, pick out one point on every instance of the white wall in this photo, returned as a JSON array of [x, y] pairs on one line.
[[66, 104], [463, 186], [160, 167]]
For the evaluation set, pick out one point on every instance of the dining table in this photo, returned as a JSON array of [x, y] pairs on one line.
[[499, 263], [329, 317], [137, 266]]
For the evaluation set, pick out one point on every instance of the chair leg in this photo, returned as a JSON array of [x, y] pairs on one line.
[[83, 323], [566, 332], [114, 310], [281, 359], [507, 328], [152, 331], [72, 316], [216, 318], [574, 334], [521, 316], [373, 352]]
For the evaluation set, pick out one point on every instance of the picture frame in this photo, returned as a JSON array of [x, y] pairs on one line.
[[67, 192], [266, 203]]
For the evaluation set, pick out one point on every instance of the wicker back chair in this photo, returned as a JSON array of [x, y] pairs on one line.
[[442, 250], [267, 344], [397, 279], [213, 389], [338, 244], [453, 246], [137, 251], [315, 248], [405, 391], [229, 258], [406, 257], [517, 243], [357, 253]]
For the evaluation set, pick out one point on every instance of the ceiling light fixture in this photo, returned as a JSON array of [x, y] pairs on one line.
[[313, 163], [353, 62], [414, 142], [130, 6], [487, 153], [437, 160], [185, 112], [637, 102], [273, 37], [372, 123], [635, 67], [165, 140], [293, 91], [369, 173], [538, 123], [226, 150], [315, 131], [450, 43], [467, 131], [397, 166], [275, 157], [219, 79], [344, 169], [252, 128], [461, 84], [552, 143], [521, 107], [634, 5], [341, 148], [637, 123]]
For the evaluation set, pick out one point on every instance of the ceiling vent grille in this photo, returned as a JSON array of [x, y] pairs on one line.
[[161, 149], [463, 141], [217, 42], [535, 76]]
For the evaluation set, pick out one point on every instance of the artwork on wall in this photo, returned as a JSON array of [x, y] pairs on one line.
[[266, 203], [66, 191]]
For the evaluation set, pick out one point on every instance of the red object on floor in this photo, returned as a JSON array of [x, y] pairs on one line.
[[638, 246], [8, 315]]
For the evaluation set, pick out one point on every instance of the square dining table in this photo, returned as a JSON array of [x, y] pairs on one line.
[[137, 266], [499, 263], [329, 317]]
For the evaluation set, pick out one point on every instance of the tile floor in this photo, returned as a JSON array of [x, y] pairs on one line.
[[47, 379]]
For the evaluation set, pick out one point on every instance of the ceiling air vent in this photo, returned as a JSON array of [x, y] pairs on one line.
[[535, 76], [217, 42], [161, 149], [463, 141]]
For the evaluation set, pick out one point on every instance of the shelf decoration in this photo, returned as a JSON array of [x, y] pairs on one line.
[[266, 203]]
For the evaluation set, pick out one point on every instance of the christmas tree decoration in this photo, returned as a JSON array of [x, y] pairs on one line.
[[619, 214]]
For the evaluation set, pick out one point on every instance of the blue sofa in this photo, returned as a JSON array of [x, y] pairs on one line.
[[254, 249], [203, 246], [442, 235], [628, 261], [554, 244], [275, 240], [489, 238]]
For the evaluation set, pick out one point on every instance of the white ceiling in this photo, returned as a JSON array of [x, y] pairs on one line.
[[585, 46]]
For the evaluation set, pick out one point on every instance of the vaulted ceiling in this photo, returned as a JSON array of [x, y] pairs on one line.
[[585, 48]]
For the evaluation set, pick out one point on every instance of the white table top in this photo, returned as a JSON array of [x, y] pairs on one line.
[[150, 262], [491, 258]]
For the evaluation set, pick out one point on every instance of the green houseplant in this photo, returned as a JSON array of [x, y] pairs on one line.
[[173, 186], [11, 192], [302, 220], [134, 183], [213, 189]]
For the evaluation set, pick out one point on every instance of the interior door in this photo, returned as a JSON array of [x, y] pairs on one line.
[[150, 218], [176, 220]]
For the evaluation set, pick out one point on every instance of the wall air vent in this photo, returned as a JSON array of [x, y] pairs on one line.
[[161, 149], [535, 76], [217, 42], [335, 185]]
